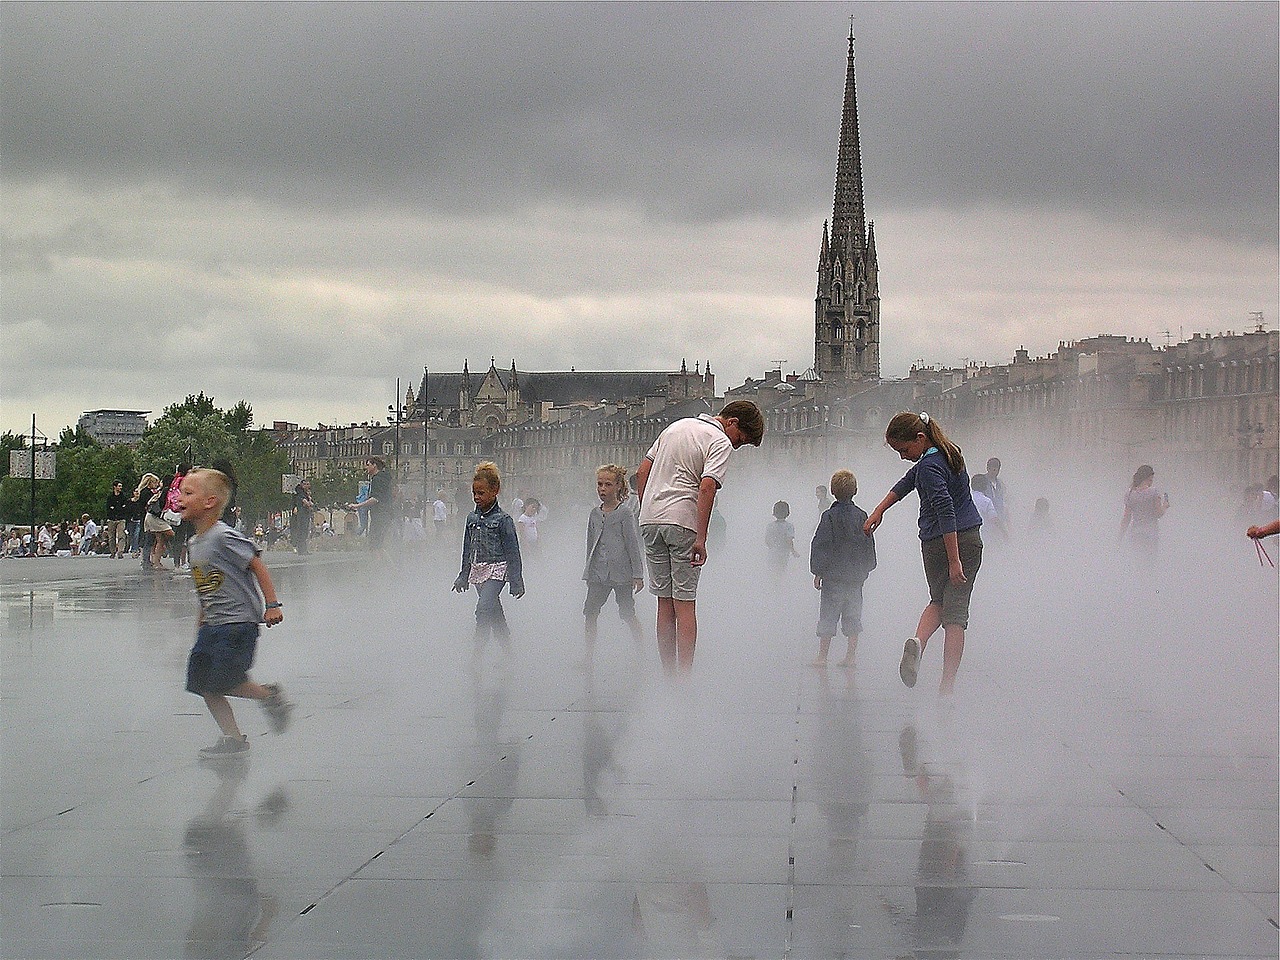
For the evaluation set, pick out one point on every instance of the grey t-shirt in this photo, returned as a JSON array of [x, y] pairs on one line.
[[220, 559]]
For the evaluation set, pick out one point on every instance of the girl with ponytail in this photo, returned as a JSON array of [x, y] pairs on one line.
[[949, 538]]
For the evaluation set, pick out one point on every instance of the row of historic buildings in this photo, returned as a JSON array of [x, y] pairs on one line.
[[1209, 403]]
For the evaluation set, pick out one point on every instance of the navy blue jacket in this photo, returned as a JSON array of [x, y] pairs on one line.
[[491, 538], [946, 506], [841, 553]]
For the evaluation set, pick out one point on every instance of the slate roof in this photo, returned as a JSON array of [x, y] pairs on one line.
[[563, 387]]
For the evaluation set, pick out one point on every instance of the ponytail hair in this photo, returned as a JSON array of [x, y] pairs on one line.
[[619, 475], [1143, 474], [904, 427]]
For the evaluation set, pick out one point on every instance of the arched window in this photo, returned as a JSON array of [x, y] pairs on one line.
[[837, 294]]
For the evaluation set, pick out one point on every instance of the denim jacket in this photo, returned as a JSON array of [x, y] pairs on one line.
[[491, 538]]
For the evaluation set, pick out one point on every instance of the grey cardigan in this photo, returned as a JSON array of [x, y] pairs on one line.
[[632, 547]]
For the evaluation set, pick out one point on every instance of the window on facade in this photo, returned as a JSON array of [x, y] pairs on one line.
[[459, 449], [388, 448], [837, 294]]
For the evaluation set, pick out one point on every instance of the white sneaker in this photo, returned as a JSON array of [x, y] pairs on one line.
[[909, 668]]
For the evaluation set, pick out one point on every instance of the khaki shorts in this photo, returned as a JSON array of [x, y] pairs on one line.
[[953, 599], [669, 552]]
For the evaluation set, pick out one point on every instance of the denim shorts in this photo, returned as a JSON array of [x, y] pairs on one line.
[[669, 550], [222, 656]]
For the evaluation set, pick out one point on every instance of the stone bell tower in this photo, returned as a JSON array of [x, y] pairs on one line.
[[847, 306]]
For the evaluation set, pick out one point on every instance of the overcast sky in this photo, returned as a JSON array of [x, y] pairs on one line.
[[295, 204]]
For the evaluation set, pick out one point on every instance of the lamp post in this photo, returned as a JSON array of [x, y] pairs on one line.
[[424, 398], [395, 413]]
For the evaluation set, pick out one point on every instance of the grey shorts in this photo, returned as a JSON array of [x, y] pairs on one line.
[[669, 552], [598, 595], [953, 599]]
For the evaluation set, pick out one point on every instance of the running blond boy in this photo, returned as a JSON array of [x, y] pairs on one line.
[[235, 592]]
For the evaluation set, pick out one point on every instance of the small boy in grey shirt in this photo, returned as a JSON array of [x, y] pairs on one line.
[[235, 591]]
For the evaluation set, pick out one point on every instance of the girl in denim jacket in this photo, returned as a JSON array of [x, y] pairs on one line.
[[490, 557]]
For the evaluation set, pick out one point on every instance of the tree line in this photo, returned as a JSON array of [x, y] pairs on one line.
[[194, 431]]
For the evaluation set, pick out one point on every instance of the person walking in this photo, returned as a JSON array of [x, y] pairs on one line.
[[950, 541], [116, 518]]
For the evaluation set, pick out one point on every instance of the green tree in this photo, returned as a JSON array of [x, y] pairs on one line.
[[76, 436], [337, 486], [83, 481], [198, 432]]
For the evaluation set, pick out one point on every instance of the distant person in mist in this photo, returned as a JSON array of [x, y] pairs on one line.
[[780, 539], [378, 504], [615, 558], [531, 513], [997, 491], [1144, 505], [1041, 524], [980, 490], [841, 557], [950, 538], [490, 558], [304, 512], [677, 483]]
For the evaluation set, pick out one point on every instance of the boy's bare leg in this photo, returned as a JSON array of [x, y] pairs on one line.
[[667, 635], [222, 714], [686, 614], [824, 647], [591, 631], [930, 621], [249, 690], [848, 657], [637, 631], [952, 651]]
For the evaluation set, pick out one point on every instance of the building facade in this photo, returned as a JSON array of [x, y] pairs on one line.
[[114, 427]]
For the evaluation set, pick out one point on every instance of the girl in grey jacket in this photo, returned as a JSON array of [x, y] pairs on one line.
[[615, 558]]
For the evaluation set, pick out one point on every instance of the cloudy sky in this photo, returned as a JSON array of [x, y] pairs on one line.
[[295, 204]]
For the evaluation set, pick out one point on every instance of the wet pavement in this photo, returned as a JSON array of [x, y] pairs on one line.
[[1068, 804]]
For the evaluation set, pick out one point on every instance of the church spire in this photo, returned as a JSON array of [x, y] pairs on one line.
[[848, 219], [847, 305]]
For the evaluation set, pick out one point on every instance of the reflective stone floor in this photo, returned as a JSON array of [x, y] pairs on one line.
[[1097, 789]]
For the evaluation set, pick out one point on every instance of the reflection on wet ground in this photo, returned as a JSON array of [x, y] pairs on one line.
[[425, 806]]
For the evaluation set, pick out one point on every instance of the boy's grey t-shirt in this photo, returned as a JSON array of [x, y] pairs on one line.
[[220, 559]]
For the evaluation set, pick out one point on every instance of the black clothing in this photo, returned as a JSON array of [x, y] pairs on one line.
[[841, 552], [380, 513], [118, 506], [303, 518]]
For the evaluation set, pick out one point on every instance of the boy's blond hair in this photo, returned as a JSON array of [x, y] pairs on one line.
[[215, 483], [488, 472], [844, 485]]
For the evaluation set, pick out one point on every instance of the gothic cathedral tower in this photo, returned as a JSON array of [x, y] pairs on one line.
[[847, 307]]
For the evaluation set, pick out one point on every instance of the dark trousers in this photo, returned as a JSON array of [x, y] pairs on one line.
[[490, 620]]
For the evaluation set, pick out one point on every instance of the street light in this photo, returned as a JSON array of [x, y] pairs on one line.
[[395, 413]]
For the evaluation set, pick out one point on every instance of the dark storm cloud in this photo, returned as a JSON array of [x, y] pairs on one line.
[[684, 111]]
